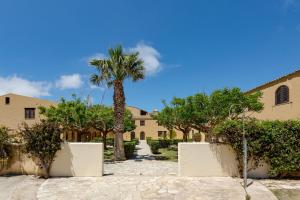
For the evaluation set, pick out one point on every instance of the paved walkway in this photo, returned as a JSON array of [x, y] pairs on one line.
[[137, 179], [258, 191], [283, 189], [141, 187], [143, 150]]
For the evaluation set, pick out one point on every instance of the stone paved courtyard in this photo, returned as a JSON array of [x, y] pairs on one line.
[[137, 179]]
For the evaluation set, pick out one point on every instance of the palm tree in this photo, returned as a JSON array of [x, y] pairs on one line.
[[113, 71]]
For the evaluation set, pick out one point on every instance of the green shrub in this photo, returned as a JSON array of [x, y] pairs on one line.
[[136, 141], [154, 146], [110, 141], [276, 142], [129, 148], [96, 139], [197, 137], [176, 141], [163, 143], [4, 143], [42, 141], [148, 139]]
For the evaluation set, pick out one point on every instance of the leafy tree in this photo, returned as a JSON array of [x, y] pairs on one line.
[[101, 119], [230, 103], [165, 118], [203, 112], [42, 141], [113, 71], [199, 104], [70, 115], [178, 115], [129, 124], [4, 142]]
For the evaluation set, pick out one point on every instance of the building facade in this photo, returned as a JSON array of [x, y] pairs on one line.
[[146, 126], [16, 109], [281, 98]]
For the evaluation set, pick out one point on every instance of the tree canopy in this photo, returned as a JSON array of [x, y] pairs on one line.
[[203, 112]]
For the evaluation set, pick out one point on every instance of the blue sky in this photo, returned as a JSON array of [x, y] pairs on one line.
[[188, 46]]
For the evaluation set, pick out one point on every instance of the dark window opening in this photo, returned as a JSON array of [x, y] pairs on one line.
[[7, 100], [142, 123], [143, 112], [282, 95], [162, 134], [29, 113]]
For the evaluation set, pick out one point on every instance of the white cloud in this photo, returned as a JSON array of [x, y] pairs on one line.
[[21, 86], [150, 56], [93, 57], [73, 81], [147, 53], [287, 4]]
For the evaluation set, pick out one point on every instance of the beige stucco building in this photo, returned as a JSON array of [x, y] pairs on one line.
[[146, 126], [281, 98], [16, 109]]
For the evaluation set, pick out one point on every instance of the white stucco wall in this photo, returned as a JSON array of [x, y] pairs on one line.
[[78, 159], [205, 160]]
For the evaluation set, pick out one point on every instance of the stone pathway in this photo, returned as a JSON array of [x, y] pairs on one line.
[[19, 187], [142, 187], [141, 168], [283, 189], [139, 179], [258, 191], [143, 150]]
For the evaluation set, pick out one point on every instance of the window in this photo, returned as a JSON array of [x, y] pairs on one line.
[[282, 95], [7, 100], [142, 123], [29, 113], [162, 134], [143, 112]]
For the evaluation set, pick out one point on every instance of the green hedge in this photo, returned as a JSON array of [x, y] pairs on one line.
[[154, 146], [148, 139], [109, 141], [276, 142], [129, 148]]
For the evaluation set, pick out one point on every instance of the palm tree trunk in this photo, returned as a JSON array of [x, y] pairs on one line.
[[104, 140], [119, 113]]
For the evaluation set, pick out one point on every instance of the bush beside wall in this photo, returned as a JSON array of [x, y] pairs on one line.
[[129, 148], [275, 142]]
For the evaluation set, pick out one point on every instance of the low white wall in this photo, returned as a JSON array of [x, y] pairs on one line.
[[204, 159], [78, 159]]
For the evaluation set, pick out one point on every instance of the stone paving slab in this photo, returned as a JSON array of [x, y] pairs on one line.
[[19, 187], [141, 167], [258, 191], [141, 187], [284, 189]]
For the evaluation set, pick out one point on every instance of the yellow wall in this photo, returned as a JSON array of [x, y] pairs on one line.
[[290, 110], [74, 159], [13, 115], [151, 127]]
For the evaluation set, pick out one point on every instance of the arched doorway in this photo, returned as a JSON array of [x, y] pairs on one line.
[[132, 135], [142, 135]]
